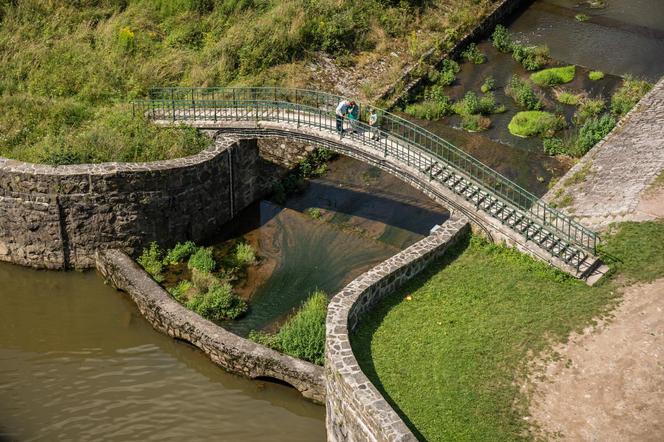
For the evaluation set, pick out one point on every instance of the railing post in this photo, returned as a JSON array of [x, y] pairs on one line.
[[172, 106]]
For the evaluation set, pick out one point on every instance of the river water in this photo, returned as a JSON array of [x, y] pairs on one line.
[[79, 363]]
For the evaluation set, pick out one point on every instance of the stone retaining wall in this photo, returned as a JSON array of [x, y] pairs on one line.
[[233, 353], [356, 410], [56, 217]]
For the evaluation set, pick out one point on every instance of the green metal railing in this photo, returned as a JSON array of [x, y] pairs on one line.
[[398, 137]]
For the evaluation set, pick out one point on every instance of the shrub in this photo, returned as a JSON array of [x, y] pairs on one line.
[[180, 252], [554, 146], [245, 254], [303, 335], [447, 74], [588, 108], [554, 76], [488, 85], [501, 38], [595, 75], [151, 261], [203, 280], [202, 260], [430, 109], [531, 58], [568, 97], [218, 303], [581, 17], [530, 123], [475, 123], [593, 131], [523, 94], [626, 97], [179, 291], [471, 104], [314, 212], [473, 54]]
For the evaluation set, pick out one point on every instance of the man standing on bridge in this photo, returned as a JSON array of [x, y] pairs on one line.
[[341, 112]]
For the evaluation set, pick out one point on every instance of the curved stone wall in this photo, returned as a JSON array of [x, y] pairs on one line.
[[56, 217], [233, 353], [356, 410]]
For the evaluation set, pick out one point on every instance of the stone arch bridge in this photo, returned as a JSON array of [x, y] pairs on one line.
[[493, 203]]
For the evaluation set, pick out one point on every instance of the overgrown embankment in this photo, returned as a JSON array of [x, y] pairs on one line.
[[67, 67]]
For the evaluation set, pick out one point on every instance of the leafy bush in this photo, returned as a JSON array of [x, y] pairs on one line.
[[501, 38], [531, 58], [202, 260], [430, 109], [592, 131], [179, 291], [151, 261], [554, 146], [180, 252], [582, 17], [629, 93], [218, 303], [523, 93], [595, 75], [488, 85], [203, 280], [471, 104], [447, 74], [530, 123], [588, 108], [473, 54], [303, 335], [314, 212], [245, 254], [554, 76]]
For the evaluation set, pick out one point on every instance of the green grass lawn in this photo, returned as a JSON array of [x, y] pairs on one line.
[[450, 360]]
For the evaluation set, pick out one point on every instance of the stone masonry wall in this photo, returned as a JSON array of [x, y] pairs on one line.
[[56, 217], [356, 410], [233, 353]]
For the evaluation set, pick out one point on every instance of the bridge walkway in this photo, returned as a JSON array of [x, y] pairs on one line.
[[490, 200]]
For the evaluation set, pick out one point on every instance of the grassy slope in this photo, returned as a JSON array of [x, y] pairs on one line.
[[451, 358], [66, 66]]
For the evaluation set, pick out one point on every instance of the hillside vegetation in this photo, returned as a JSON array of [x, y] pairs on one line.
[[67, 67]]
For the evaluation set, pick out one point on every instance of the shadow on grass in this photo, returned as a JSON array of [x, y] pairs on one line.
[[361, 342]]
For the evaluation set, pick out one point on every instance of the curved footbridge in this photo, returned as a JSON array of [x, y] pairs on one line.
[[500, 207]]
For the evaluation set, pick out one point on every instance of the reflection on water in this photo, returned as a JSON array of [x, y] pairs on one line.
[[368, 216], [625, 37], [78, 362]]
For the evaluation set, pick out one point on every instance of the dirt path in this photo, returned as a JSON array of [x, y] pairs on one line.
[[609, 383]]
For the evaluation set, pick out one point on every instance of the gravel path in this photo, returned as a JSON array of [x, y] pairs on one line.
[[608, 384]]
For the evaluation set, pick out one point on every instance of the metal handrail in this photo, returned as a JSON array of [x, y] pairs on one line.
[[186, 103]]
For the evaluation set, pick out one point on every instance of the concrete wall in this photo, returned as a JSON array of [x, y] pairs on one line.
[[232, 352], [56, 217], [356, 410]]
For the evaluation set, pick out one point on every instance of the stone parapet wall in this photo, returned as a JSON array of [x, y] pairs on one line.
[[56, 217], [356, 410], [233, 353]]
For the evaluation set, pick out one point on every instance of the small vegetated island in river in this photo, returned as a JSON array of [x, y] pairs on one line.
[[568, 107]]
